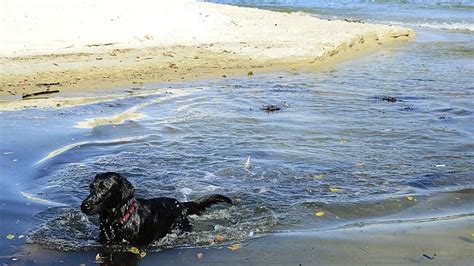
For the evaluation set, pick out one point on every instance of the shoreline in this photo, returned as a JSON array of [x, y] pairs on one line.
[[443, 241], [236, 49], [82, 83], [435, 229]]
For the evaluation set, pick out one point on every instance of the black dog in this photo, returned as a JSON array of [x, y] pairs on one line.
[[135, 221]]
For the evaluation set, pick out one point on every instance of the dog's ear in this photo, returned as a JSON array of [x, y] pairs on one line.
[[127, 189]]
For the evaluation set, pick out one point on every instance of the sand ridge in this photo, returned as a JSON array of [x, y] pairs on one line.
[[221, 41]]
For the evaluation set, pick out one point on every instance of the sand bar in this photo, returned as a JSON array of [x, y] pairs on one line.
[[78, 46]]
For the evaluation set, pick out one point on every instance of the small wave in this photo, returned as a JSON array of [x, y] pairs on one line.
[[456, 26], [40, 200], [456, 5], [83, 143], [65, 229], [461, 27], [132, 113]]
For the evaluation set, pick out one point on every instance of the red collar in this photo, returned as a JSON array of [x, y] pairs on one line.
[[131, 209]]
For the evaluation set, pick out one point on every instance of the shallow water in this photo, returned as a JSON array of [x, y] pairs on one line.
[[337, 145], [447, 15]]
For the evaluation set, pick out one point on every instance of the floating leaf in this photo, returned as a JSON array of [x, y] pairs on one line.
[[137, 251], [218, 238], [319, 176], [411, 198], [134, 250], [234, 246], [320, 214], [10, 237], [343, 140], [472, 234], [99, 258], [335, 189]]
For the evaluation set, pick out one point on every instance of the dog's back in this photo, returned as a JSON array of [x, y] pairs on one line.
[[200, 205], [161, 215]]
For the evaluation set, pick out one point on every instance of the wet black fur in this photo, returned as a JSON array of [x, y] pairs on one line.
[[110, 197]]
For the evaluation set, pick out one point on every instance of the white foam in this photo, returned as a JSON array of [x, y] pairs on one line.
[[463, 27], [449, 26], [186, 192]]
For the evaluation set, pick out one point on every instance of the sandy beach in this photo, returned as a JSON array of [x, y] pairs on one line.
[[163, 44], [341, 138]]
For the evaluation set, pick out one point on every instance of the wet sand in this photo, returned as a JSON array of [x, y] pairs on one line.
[[83, 79], [433, 243], [435, 229], [126, 71], [410, 243]]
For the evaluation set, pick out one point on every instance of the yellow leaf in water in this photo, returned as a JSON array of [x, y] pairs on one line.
[[320, 214], [335, 189], [218, 238], [472, 234], [234, 246], [134, 250], [319, 176], [137, 251], [411, 198], [343, 140], [10, 237]]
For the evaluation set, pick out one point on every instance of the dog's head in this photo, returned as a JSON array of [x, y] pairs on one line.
[[108, 190]]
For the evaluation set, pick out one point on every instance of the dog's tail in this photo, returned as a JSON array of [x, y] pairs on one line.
[[198, 207]]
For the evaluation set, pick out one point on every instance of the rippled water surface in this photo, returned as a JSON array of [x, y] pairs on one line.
[[452, 15], [349, 140]]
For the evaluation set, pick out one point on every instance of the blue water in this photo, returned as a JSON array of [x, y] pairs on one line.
[[449, 15], [334, 131]]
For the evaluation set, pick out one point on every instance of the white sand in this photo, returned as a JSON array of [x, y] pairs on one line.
[[32, 27], [87, 45], [56, 26]]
